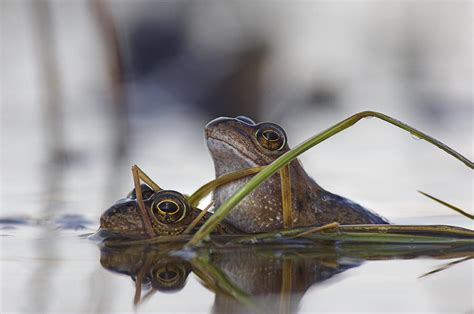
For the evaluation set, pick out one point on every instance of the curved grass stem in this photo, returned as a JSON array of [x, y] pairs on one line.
[[286, 158], [204, 190]]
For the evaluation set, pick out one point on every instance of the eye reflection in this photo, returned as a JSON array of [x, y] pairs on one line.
[[168, 207], [271, 137], [167, 275]]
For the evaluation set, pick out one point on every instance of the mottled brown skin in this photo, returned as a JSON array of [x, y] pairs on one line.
[[234, 144], [124, 219]]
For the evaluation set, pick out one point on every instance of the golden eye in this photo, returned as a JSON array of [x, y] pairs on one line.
[[169, 277], [169, 207], [271, 137]]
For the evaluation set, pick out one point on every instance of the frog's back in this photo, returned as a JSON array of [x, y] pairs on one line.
[[333, 208]]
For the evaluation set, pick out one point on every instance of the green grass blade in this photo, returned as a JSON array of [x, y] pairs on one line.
[[446, 266], [286, 158], [456, 209], [366, 233], [201, 192], [223, 282]]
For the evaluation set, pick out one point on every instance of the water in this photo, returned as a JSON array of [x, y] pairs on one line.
[[52, 268], [48, 266], [64, 158]]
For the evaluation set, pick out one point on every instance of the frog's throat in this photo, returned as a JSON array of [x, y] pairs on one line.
[[214, 144]]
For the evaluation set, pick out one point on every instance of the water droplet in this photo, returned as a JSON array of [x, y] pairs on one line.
[[415, 137]]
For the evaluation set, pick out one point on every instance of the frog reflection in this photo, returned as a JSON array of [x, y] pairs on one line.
[[245, 280], [271, 278], [151, 269], [277, 280]]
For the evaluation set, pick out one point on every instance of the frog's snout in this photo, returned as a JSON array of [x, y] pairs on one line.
[[123, 217], [216, 126], [213, 125]]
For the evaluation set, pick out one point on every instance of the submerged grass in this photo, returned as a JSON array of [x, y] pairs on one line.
[[216, 278], [286, 158]]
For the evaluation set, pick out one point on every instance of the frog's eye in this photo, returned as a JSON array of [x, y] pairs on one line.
[[271, 137], [169, 277], [169, 207]]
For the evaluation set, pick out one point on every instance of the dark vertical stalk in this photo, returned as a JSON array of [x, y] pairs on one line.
[[53, 128], [118, 106], [49, 80]]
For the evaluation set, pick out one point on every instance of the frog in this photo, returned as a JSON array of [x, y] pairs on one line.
[[237, 143], [169, 211]]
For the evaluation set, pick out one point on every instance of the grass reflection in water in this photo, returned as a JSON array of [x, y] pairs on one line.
[[269, 278]]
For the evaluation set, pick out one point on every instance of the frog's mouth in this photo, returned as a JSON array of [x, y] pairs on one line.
[[223, 151], [233, 146]]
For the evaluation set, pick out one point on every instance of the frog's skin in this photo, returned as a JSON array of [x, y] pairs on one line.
[[237, 143], [124, 219]]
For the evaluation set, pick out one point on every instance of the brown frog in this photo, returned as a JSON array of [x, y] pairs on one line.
[[236, 143], [169, 210]]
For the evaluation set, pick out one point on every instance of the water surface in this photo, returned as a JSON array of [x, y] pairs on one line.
[[49, 266]]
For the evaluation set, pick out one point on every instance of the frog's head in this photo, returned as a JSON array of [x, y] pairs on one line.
[[237, 143], [170, 274], [151, 268], [169, 211]]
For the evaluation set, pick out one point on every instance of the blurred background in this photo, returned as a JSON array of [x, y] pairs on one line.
[[89, 88]]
